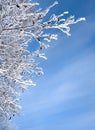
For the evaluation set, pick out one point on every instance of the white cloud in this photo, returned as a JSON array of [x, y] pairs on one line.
[[73, 82]]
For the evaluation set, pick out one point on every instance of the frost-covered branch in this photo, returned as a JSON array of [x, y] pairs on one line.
[[20, 21]]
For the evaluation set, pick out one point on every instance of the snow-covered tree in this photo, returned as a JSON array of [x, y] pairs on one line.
[[20, 21]]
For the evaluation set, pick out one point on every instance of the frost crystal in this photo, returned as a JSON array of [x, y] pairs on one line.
[[20, 21]]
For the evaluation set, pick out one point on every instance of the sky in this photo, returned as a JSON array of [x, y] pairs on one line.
[[64, 98]]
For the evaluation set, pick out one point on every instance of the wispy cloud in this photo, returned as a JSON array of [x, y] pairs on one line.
[[72, 82]]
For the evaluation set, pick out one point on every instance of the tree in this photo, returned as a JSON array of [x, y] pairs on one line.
[[20, 21]]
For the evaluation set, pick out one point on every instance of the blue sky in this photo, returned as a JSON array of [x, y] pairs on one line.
[[64, 98]]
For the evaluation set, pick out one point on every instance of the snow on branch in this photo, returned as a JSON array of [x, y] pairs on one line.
[[20, 21]]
